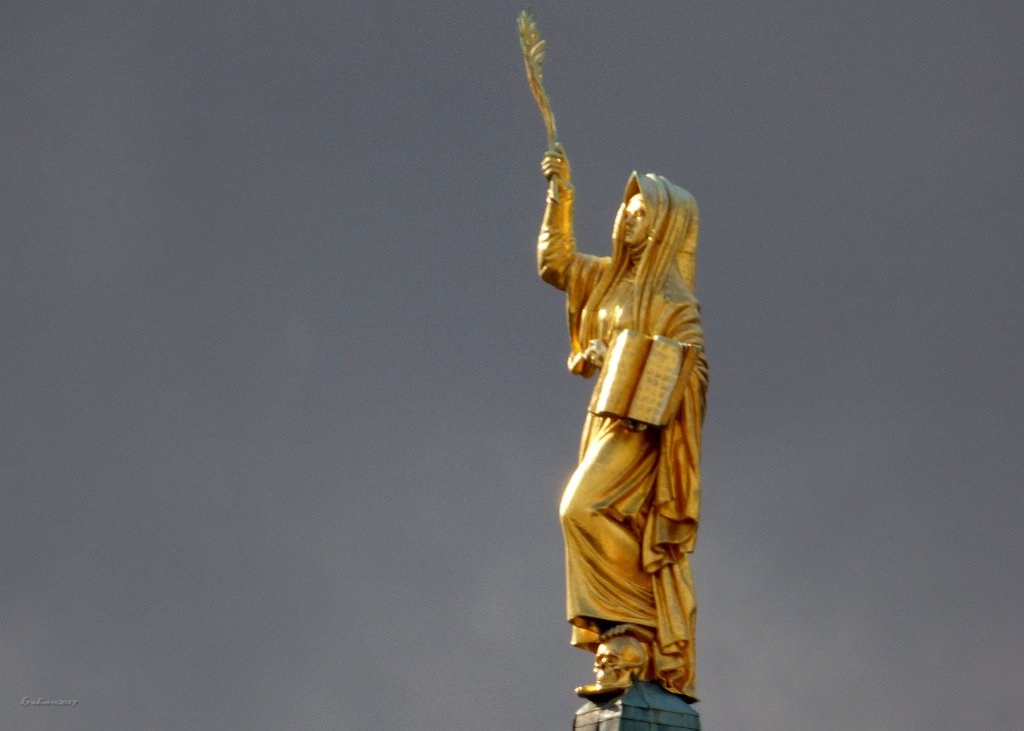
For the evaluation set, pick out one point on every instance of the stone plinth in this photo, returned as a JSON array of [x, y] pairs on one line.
[[644, 707]]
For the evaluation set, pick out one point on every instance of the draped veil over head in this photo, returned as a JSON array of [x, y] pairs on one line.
[[667, 268]]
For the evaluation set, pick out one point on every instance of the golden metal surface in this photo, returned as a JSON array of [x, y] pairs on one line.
[[630, 511], [624, 654]]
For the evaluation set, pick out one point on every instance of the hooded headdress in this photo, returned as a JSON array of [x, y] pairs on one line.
[[667, 267]]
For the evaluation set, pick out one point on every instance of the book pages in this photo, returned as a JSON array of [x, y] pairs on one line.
[[657, 382]]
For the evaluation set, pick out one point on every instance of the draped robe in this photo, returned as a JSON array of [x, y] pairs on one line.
[[631, 509]]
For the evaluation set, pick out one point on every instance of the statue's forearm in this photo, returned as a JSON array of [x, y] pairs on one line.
[[556, 244]]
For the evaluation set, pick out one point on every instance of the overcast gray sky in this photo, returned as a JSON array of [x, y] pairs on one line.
[[285, 412]]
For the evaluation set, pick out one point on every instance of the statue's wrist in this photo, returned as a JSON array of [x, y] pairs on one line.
[[566, 193]]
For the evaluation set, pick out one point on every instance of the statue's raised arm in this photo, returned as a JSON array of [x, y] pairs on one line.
[[556, 243]]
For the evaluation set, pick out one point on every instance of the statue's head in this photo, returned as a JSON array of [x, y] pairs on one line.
[[618, 660], [659, 219]]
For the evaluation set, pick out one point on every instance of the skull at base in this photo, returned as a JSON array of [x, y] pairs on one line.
[[618, 660]]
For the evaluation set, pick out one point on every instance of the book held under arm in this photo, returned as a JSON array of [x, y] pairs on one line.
[[640, 378]]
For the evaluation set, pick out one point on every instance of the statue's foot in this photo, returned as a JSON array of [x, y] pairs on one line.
[[602, 691]]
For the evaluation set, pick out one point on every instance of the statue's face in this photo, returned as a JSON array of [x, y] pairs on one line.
[[634, 221]]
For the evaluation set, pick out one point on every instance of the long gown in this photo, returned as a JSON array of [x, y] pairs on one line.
[[630, 511]]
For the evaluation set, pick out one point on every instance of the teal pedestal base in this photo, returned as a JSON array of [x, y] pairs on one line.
[[643, 707]]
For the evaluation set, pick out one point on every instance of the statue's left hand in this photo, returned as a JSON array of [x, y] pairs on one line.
[[596, 352]]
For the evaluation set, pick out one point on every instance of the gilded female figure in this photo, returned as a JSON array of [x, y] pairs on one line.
[[630, 511]]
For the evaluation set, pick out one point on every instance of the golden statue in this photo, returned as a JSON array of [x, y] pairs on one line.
[[630, 511]]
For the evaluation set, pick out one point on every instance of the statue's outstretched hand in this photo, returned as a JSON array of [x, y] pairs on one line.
[[555, 163]]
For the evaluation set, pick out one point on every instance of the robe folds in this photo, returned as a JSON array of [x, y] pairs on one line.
[[631, 510]]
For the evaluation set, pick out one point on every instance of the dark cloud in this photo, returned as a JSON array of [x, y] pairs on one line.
[[285, 416]]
